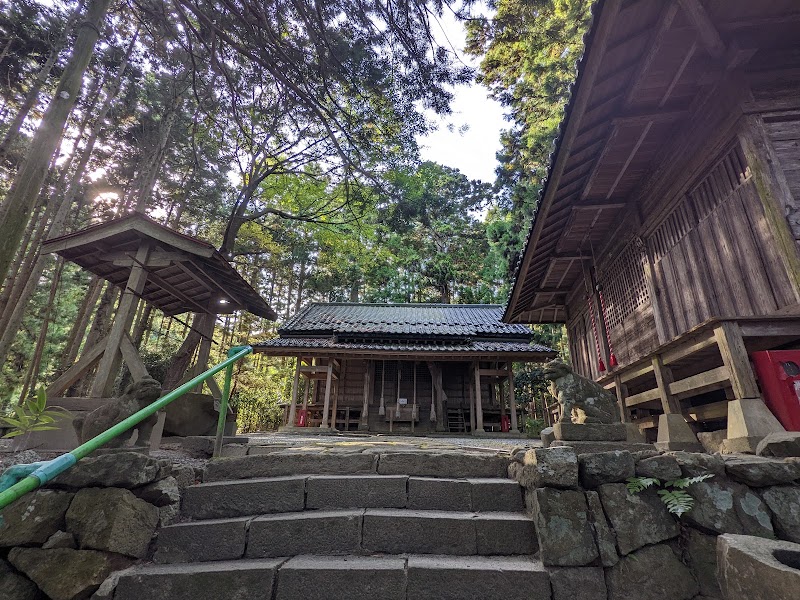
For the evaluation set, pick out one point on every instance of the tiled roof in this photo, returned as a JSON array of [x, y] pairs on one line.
[[330, 343], [404, 320]]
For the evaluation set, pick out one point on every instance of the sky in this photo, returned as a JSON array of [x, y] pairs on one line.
[[473, 138]]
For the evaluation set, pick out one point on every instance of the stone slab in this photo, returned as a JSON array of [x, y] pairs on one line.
[[218, 539], [592, 447], [341, 578], [312, 532], [240, 579], [578, 583], [501, 534], [652, 573], [605, 467], [638, 519], [428, 493], [590, 432], [443, 464], [356, 491], [555, 466], [419, 532], [496, 495], [758, 569], [469, 578], [218, 500], [286, 462], [562, 526], [760, 471]]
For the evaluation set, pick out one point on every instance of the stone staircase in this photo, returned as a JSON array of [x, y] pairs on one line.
[[347, 525]]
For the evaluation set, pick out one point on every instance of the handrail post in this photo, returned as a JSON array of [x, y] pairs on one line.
[[223, 404]]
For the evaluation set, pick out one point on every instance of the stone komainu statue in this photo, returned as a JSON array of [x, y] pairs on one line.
[[136, 397], [581, 399]]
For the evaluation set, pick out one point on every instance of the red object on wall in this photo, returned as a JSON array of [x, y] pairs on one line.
[[505, 423], [778, 373], [302, 418]]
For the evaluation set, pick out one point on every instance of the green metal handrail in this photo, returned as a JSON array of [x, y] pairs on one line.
[[46, 471]]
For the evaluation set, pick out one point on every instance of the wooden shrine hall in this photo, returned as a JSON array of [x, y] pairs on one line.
[[667, 231], [173, 272], [403, 367]]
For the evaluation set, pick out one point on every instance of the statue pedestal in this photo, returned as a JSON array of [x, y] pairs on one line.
[[590, 432], [588, 438]]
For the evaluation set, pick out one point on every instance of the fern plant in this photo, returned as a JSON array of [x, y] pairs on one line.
[[672, 493]]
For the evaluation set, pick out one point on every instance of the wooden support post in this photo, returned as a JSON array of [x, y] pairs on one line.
[[109, 364], [131, 358], [364, 421], [306, 392], [335, 407], [774, 193], [622, 394], [87, 360], [478, 408], [414, 401], [655, 297], [397, 395], [512, 400], [382, 406], [471, 401], [663, 379], [292, 420], [734, 356], [327, 404]]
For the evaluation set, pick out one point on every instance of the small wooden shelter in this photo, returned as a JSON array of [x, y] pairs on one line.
[[173, 272], [400, 367], [666, 236]]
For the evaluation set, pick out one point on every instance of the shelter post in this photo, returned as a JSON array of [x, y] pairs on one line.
[[478, 408], [363, 424], [326, 406], [295, 383], [512, 401]]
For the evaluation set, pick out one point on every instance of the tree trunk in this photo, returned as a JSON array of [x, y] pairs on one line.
[[78, 330], [18, 205], [12, 133], [183, 357], [8, 284], [36, 360]]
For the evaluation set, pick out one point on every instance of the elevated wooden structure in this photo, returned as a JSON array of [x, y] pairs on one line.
[[669, 209], [171, 271], [421, 367]]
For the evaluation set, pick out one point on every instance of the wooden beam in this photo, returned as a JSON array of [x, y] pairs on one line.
[[622, 393], [734, 355], [494, 372], [132, 360], [631, 373], [85, 362], [656, 38], [587, 185], [630, 158], [643, 397], [644, 117], [107, 369], [168, 287], [685, 350], [664, 379], [709, 36], [708, 412], [702, 382]]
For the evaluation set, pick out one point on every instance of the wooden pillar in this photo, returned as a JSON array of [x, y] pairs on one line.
[[478, 407], [109, 365], [306, 392], [364, 421], [295, 383], [327, 404], [622, 394], [774, 193], [204, 351], [664, 378], [335, 406], [414, 401], [512, 400], [382, 406], [397, 395], [734, 354]]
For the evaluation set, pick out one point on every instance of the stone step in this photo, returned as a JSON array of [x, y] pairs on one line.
[[445, 463], [310, 577], [246, 497], [362, 531]]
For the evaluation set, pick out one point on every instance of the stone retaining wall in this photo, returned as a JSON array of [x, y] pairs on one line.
[[97, 518], [601, 542]]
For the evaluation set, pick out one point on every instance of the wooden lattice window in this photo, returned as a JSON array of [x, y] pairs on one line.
[[719, 182], [623, 284]]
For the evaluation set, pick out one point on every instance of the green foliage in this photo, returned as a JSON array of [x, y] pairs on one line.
[[29, 416], [533, 427], [672, 494]]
